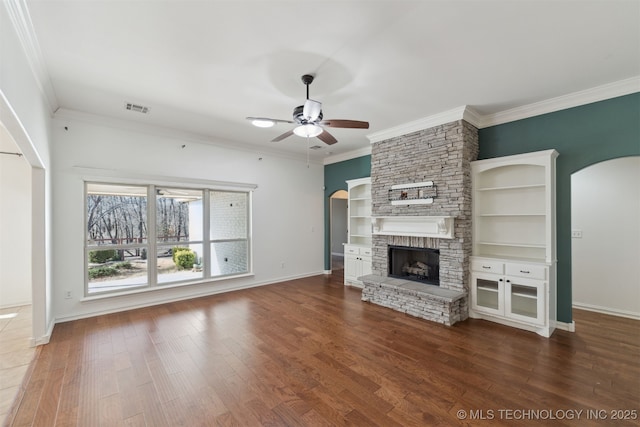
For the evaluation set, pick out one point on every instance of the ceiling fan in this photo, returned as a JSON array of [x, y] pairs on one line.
[[309, 119]]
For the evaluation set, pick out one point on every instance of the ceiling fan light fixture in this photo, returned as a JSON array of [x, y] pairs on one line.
[[262, 123], [308, 130]]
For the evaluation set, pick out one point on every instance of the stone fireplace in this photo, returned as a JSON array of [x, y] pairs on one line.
[[418, 264], [440, 155]]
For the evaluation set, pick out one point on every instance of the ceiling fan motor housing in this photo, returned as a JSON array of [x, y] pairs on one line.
[[298, 117]]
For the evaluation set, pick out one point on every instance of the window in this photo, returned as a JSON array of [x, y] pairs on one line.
[[229, 223], [140, 236], [179, 222]]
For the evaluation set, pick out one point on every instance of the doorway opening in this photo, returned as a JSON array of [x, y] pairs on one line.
[[605, 237], [338, 225]]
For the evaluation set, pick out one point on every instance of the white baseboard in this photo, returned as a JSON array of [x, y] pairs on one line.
[[44, 339], [607, 310], [15, 304], [208, 292], [569, 327]]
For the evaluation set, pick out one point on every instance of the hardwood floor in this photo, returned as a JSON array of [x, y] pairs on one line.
[[310, 353]]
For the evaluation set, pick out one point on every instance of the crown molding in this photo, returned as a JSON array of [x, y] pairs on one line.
[[575, 99], [353, 154], [460, 113], [64, 114], [21, 19]]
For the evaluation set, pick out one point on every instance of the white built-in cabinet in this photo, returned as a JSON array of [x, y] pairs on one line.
[[513, 265], [357, 252]]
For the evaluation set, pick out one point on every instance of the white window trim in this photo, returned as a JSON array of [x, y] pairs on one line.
[[151, 183]]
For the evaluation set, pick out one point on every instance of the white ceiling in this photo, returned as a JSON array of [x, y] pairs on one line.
[[203, 66]]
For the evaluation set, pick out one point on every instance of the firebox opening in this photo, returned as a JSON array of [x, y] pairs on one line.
[[418, 264]]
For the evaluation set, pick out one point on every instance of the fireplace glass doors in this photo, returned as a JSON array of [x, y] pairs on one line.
[[418, 264]]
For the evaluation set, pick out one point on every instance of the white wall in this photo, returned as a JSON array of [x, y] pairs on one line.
[[605, 206], [287, 204], [26, 114], [15, 225]]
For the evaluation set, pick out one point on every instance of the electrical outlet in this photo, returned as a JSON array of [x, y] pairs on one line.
[[67, 295], [576, 234]]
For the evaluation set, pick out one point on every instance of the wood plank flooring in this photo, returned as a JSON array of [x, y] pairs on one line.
[[309, 353]]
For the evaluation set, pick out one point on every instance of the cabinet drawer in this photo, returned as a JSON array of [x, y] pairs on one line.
[[351, 250], [527, 270], [495, 267], [357, 250]]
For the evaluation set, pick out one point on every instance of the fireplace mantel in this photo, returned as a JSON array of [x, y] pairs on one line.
[[414, 226]]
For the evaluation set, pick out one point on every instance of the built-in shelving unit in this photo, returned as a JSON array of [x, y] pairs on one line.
[[514, 241], [357, 252], [359, 211]]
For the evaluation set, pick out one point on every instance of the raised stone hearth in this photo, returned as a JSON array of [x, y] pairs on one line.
[[416, 299], [442, 154]]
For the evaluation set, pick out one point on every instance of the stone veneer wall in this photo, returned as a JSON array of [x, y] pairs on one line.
[[441, 154]]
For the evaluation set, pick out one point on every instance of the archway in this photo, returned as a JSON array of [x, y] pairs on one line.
[[338, 228], [605, 246]]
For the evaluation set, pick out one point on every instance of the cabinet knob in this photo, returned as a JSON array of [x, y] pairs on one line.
[[499, 280], [508, 281]]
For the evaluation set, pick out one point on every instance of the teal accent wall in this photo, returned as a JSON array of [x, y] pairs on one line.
[[335, 177], [583, 136]]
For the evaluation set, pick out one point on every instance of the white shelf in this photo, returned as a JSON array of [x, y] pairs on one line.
[[417, 193], [482, 288], [513, 258], [412, 185], [414, 226], [401, 202], [515, 245], [511, 187], [496, 215], [521, 295]]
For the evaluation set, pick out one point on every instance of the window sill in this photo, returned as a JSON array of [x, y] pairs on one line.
[[142, 290]]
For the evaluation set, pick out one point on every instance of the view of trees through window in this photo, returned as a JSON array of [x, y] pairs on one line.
[[121, 234]]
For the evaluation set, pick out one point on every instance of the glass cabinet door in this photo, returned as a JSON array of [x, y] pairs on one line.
[[525, 299], [487, 293]]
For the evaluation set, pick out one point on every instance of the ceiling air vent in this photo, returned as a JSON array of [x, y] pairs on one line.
[[315, 147], [136, 108]]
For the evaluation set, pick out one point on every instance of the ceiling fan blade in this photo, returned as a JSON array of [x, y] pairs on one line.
[[311, 110], [327, 138], [353, 124], [269, 119], [283, 136]]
